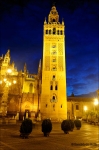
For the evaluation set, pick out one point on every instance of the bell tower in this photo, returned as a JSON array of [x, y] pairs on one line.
[[53, 96]]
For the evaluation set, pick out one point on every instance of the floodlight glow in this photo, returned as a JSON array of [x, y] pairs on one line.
[[5, 79], [9, 71], [85, 108], [9, 83], [96, 102], [0, 82], [14, 81]]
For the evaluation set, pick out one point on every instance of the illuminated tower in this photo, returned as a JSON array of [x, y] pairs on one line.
[[53, 98]]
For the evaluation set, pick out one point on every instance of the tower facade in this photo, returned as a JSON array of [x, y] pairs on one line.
[[53, 93]]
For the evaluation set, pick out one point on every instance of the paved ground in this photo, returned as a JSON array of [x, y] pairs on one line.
[[87, 138]]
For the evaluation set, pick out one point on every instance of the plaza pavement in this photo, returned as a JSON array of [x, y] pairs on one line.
[[87, 138]]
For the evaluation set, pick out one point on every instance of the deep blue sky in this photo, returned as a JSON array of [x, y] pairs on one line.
[[21, 31]]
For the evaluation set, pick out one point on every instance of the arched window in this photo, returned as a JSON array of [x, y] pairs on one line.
[[49, 31], [56, 87], [61, 32], [53, 97], [77, 107], [46, 31], [53, 20], [54, 59], [54, 30], [58, 32], [51, 87], [54, 67], [30, 88], [53, 78]]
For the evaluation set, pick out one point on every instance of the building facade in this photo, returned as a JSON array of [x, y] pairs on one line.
[[43, 93]]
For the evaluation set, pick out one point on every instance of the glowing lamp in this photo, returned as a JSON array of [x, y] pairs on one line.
[[0, 82], [96, 102], [85, 108], [5, 79], [9, 83], [14, 81], [9, 71]]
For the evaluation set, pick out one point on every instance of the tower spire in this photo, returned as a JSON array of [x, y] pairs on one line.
[[53, 15]]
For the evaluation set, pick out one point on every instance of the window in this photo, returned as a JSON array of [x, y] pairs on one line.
[[58, 32], [54, 59], [54, 31], [77, 107], [61, 32], [49, 31], [54, 45], [56, 87], [46, 31], [54, 68], [53, 77], [51, 87], [54, 52], [53, 97]]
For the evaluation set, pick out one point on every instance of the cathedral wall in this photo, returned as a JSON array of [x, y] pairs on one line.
[[29, 102]]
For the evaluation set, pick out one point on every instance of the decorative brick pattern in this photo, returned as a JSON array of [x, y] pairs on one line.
[[47, 63]]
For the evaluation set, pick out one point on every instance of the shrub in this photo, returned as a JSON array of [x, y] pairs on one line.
[[65, 126], [77, 124], [46, 127], [26, 128]]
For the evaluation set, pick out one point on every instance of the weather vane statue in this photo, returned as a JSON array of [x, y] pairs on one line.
[[53, 3]]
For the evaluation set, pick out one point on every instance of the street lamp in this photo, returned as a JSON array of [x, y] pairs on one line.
[[95, 108], [96, 101]]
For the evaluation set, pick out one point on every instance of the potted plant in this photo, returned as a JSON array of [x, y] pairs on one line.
[[65, 126], [71, 125], [77, 124], [26, 128], [46, 127]]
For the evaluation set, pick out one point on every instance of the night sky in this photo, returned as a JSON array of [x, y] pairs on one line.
[[21, 31]]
